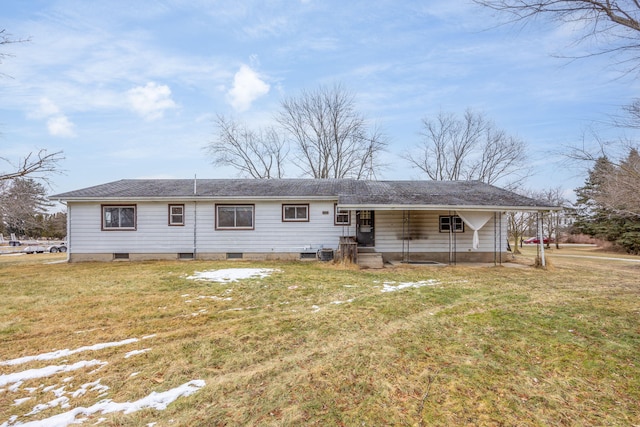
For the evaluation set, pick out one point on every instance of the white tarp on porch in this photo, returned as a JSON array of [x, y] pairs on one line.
[[475, 220]]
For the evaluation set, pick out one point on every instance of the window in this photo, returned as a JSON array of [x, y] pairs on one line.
[[341, 217], [453, 224], [295, 212], [234, 217], [118, 217], [176, 214]]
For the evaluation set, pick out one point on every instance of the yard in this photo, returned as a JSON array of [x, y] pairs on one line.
[[184, 344]]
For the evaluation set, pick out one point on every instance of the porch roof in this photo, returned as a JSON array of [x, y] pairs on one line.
[[438, 195]]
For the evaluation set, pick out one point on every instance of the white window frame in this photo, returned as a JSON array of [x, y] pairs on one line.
[[341, 213], [172, 214], [297, 209]]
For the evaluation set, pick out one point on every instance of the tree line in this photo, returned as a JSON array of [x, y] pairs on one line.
[[322, 135]]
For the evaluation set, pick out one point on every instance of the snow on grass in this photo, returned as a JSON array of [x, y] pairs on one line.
[[18, 377], [66, 352], [232, 274], [155, 400], [392, 286], [136, 352], [62, 397], [342, 302]]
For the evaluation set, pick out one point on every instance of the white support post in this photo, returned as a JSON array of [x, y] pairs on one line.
[[541, 238]]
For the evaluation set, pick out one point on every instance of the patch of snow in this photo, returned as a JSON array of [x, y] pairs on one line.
[[66, 352], [342, 302], [19, 377], [315, 308], [135, 352], [146, 337], [133, 374], [16, 386], [92, 386], [389, 286], [62, 402], [155, 400], [232, 274], [17, 402]]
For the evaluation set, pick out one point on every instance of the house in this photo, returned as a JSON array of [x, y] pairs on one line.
[[410, 221]]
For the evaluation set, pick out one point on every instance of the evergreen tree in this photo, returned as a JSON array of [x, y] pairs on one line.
[[22, 201], [606, 204]]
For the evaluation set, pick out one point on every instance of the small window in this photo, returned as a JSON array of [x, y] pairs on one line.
[[234, 217], [453, 224], [118, 217], [341, 216], [295, 212], [176, 214]]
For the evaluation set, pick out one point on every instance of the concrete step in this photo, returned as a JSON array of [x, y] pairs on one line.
[[370, 260]]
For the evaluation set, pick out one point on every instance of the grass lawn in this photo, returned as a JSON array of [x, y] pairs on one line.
[[320, 344]]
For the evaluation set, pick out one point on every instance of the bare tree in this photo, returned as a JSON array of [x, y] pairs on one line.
[[554, 197], [36, 165], [614, 23], [332, 140], [517, 223], [5, 39], [467, 148], [257, 154], [620, 191]]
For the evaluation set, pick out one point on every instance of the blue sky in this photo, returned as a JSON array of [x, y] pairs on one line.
[[128, 89]]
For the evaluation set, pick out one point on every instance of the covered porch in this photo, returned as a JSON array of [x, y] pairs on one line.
[[426, 235]]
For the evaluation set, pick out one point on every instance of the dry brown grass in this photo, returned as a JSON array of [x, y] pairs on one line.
[[483, 346]]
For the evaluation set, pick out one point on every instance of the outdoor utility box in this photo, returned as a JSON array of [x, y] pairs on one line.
[[326, 254]]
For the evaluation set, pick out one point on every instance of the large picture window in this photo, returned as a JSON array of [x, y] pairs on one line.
[[295, 212], [341, 217], [121, 217], [176, 214], [451, 224], [234, 217]]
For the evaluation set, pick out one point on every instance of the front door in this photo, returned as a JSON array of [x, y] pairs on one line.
[[364, 228]]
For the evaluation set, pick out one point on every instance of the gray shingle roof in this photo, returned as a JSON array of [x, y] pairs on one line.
[[346, 191]]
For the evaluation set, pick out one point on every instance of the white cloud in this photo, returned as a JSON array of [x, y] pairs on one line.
[[60, 125], [47, 108], [247, 87], [150, 101]]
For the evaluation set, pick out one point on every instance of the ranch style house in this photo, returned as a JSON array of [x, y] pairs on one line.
[[404, 221]]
